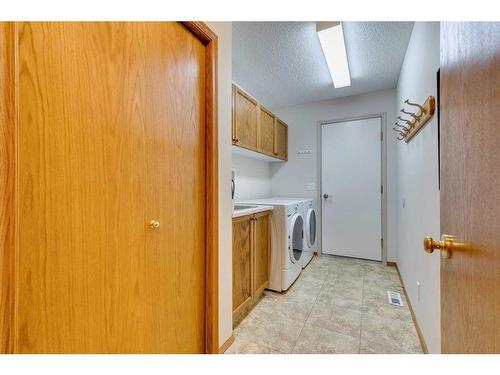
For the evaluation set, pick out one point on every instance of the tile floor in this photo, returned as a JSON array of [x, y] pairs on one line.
[[337, 305]]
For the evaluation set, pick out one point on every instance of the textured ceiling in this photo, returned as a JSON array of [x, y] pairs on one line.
[[282, 64]]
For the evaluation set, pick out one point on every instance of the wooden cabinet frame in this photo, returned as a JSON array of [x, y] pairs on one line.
[[9, 185], [236, 90]]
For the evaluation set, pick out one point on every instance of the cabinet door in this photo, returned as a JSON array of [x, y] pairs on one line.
[[242, 264], [245, 110], [262, 251], [281, 140], [266, 131]]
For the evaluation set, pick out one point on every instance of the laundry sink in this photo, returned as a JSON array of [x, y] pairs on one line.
[[239, 207], [248, 209]]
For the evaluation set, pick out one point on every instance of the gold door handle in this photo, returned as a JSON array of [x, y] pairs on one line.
[[444, 246], [154, 224]]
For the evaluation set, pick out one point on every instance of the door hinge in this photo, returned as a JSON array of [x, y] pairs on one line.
[[382, 243], [381, 189], [381, 136]]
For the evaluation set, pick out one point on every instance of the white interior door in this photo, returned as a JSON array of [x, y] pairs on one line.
[[351, 199]]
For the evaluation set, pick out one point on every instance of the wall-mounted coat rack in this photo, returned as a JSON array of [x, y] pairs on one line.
[[416, 121]]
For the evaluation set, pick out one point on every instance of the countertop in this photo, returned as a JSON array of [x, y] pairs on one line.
[[250, 210]]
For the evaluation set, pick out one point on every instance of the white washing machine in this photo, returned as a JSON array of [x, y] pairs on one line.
[[287, 233], [310, 229]]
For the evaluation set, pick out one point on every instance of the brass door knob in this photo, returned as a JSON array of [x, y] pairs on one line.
[[154, 224], [445, 245]]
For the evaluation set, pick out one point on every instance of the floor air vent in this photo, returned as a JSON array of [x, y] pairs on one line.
[[394, 298]]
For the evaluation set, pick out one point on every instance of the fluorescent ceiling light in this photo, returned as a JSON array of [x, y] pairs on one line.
[[333, 45]]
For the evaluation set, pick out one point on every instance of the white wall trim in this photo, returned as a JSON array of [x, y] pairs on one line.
[[383, 150]]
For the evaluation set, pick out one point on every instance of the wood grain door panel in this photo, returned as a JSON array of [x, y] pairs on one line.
[[8, 186], [266, 131], [281, 140], [470, 177], [111, 135], [245, 120], [262, 252], [242, 262]]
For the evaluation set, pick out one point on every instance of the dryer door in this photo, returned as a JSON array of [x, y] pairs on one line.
[[311, 227], [296, 238]]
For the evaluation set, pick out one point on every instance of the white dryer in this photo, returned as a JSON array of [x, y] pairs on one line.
[[287, 244], [310, 229]]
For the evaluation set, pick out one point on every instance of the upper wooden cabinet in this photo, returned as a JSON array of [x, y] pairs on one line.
[[245, 115], [256, 128], [265, 131], [281, 140]]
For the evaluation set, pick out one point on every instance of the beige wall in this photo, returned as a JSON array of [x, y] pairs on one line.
[[224, 33]]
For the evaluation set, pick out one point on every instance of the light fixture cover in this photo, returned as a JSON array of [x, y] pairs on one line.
[[333, 45]]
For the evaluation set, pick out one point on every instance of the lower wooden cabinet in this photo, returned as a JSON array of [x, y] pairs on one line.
[[242, 263], [251, 258], [261, 252]]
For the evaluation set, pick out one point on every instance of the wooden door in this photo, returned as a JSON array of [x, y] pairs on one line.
[[242, 264], [111, 136], [281, 140], [470, 180], [245, 119], [266, 131], [261, 251]]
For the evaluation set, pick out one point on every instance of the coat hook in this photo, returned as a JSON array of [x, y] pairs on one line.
[[411, 114], [401, 126], [400, 136], [406, 121], [422, 109], [399, 131]]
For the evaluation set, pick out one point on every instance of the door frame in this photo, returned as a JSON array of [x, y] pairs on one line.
[[9, 185], [201, 31], [383, 150]]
